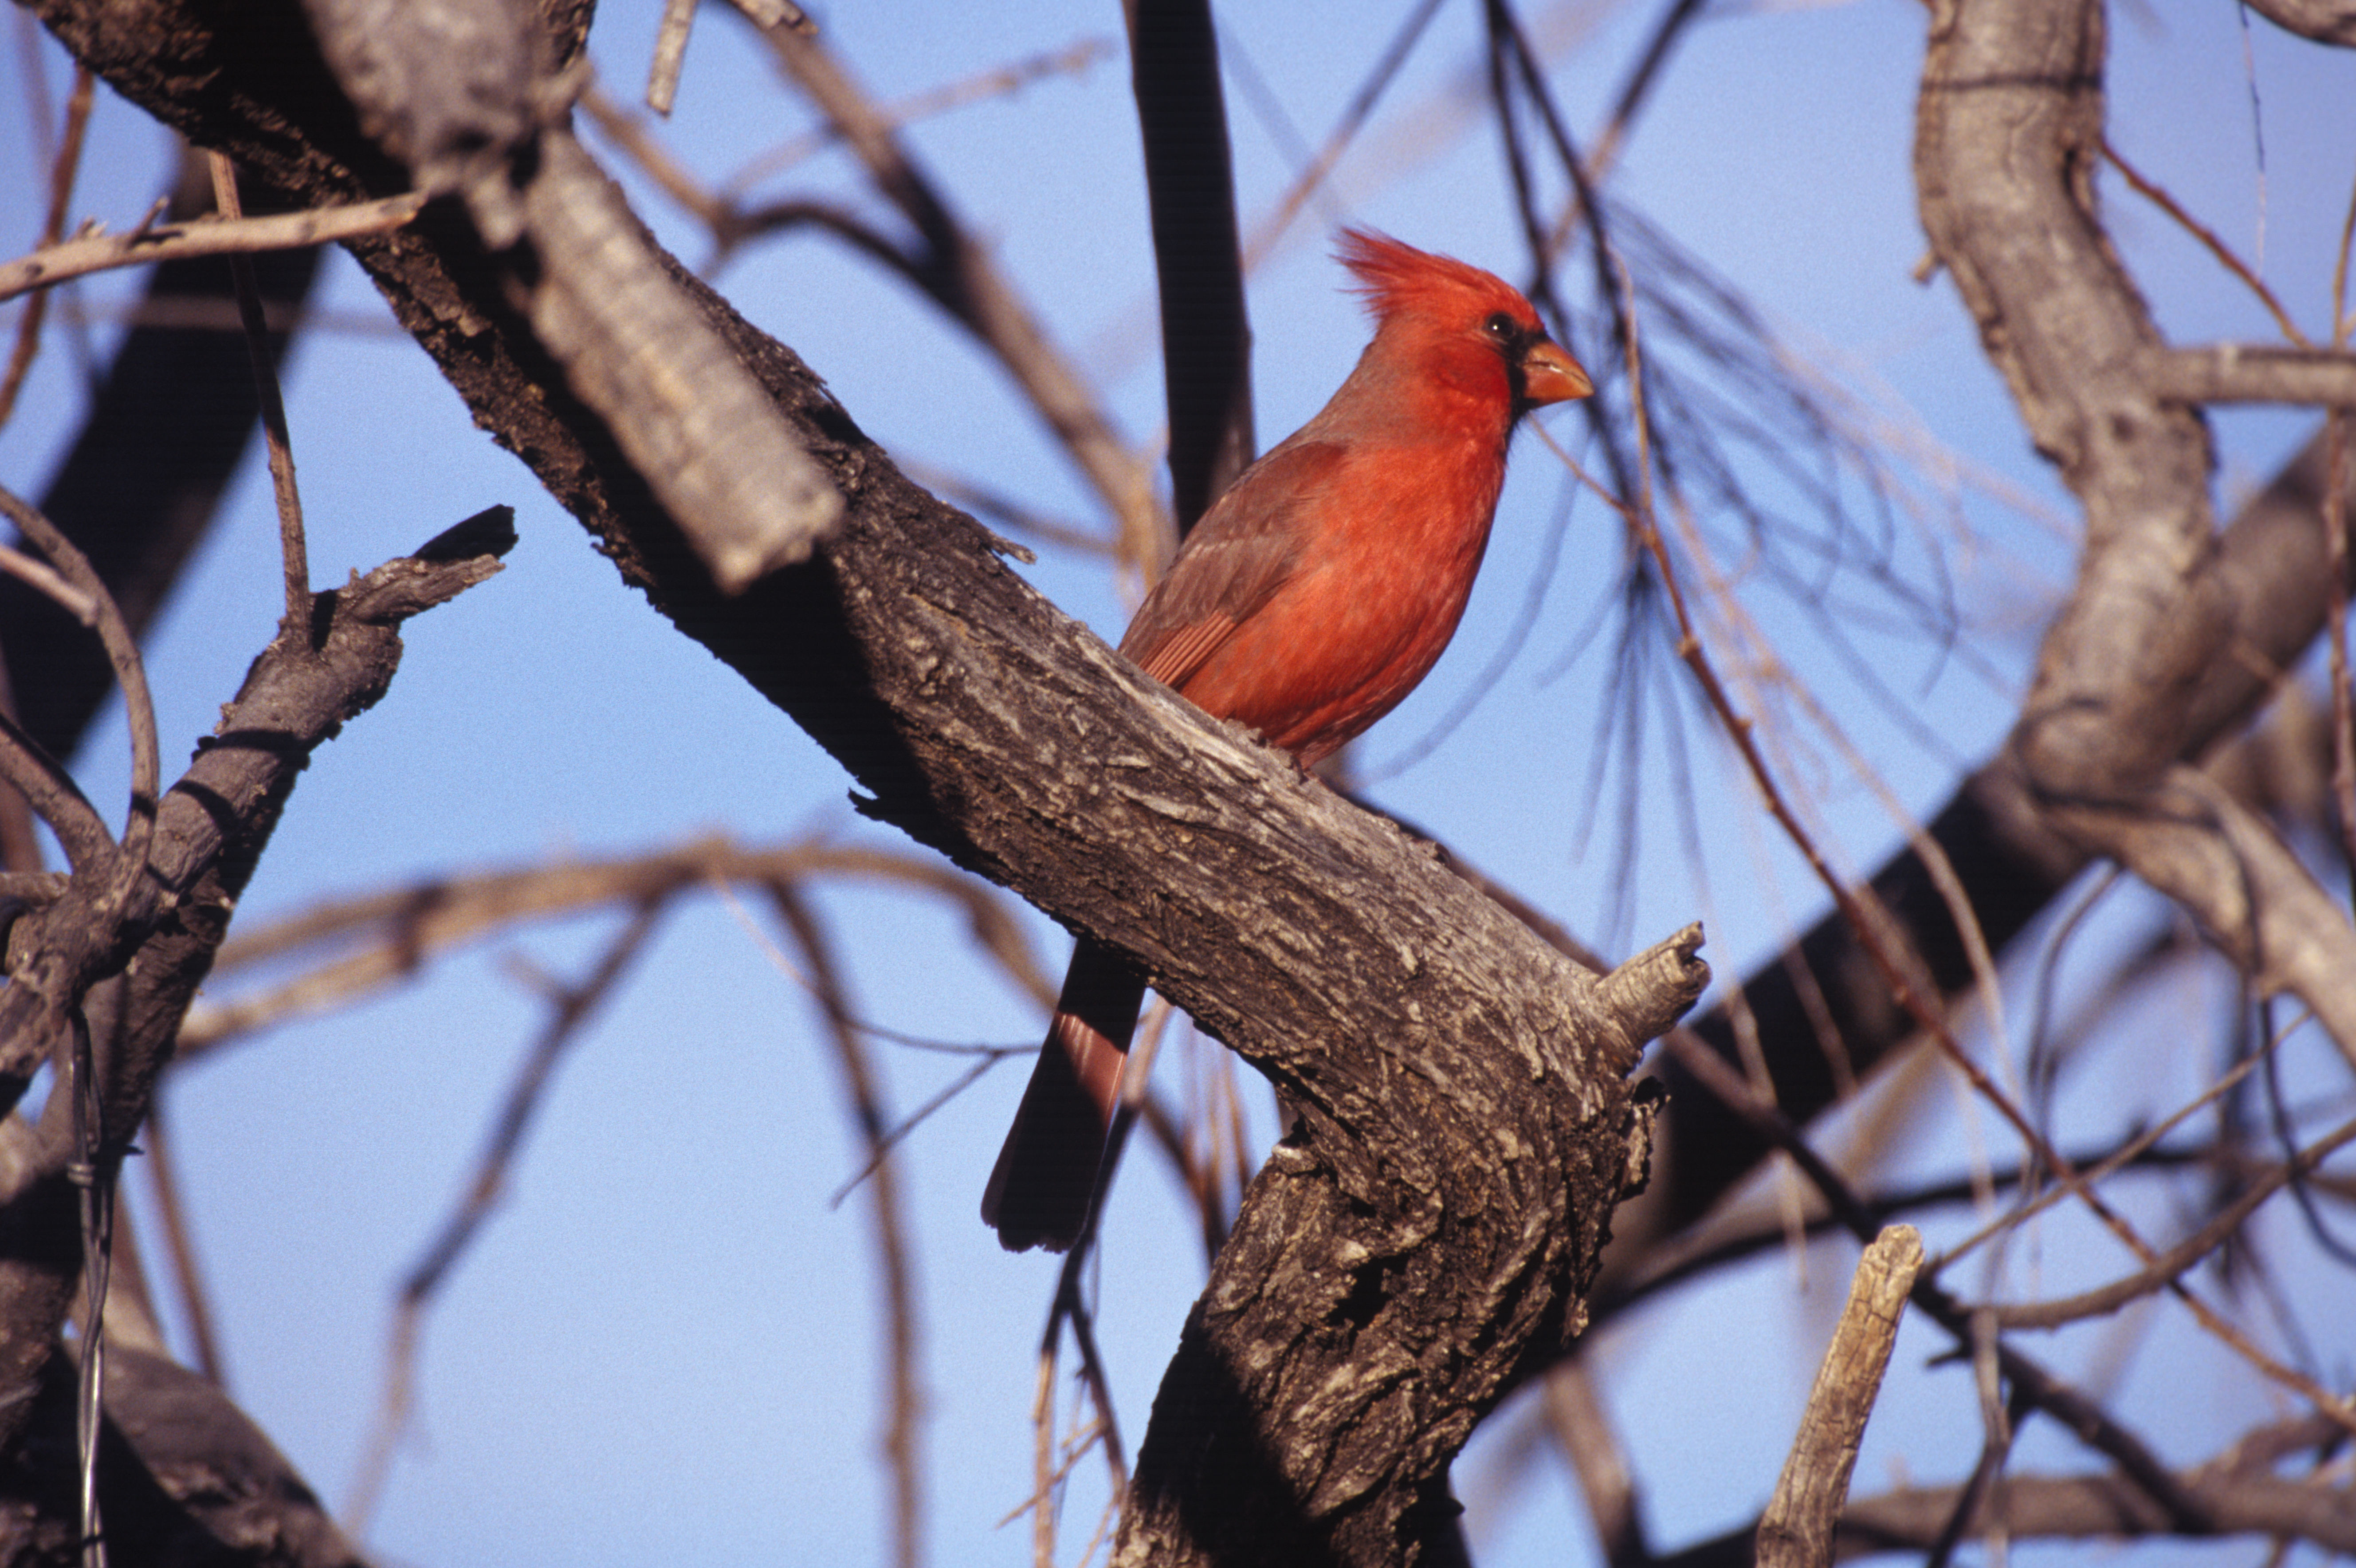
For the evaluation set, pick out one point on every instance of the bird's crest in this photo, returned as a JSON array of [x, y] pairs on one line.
[[1397, 279]]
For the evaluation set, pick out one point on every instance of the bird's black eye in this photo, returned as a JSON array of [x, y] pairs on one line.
[[1502, 327]]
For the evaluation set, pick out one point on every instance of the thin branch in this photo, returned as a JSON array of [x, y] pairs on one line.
[[2256, 372], [53, 796], [381, 938], [1582, 1428], [2239, 1497], [1346, 126], [179, 1242], [53, 227], [2133, 1149], [960, 276], [572, 1006], [2162, 1271], [670, 51], [904, 1353], [39, 575], [101, 617], [997, 83], [1604, 147], [97, 252], [2335, 524], [293, 552], [1682, 1265], [2158, 196], [2276, 901], [2084, 1419]]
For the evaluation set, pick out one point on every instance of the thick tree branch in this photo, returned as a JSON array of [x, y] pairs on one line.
[[158, 929], [2007, 137], [1347, 1342]]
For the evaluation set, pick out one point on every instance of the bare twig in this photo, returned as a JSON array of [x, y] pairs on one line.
[[97, 251], [2255, 372], [2239, 1491], [2335, 526], [381, 938], [53, 796], [53, 228], [180, 1241], [1582, 1428], [2161, 1272], [2158, 196], [99, 613], [93, 1178], [1797, 1530], [38, 574], [959, 275], [2135, 1148], [572, 1006], [670, 51], [903, 1355], [1353, 119], [293, 552], [2275, 900], [997, 83], [2084, 1419], [630, 133]]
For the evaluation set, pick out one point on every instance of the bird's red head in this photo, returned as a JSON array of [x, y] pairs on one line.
[[1401, 283]]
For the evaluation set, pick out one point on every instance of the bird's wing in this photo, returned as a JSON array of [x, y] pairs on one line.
[[1245, 548]]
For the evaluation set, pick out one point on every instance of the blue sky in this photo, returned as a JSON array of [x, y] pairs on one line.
[[665, 1346]]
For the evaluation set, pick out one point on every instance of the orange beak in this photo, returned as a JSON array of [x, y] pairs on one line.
[[1552, 375]]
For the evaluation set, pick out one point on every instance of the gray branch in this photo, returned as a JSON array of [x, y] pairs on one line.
[[2007, 137], [144, 943]]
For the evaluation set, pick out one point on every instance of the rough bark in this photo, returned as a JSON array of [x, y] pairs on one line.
[[186, 1480], [1357, 1325], [127, 953]]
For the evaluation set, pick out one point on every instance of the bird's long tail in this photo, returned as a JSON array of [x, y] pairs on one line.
[[1039, 1190]]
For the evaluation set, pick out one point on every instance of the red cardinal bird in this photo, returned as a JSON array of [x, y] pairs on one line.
[[1308, 601]]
